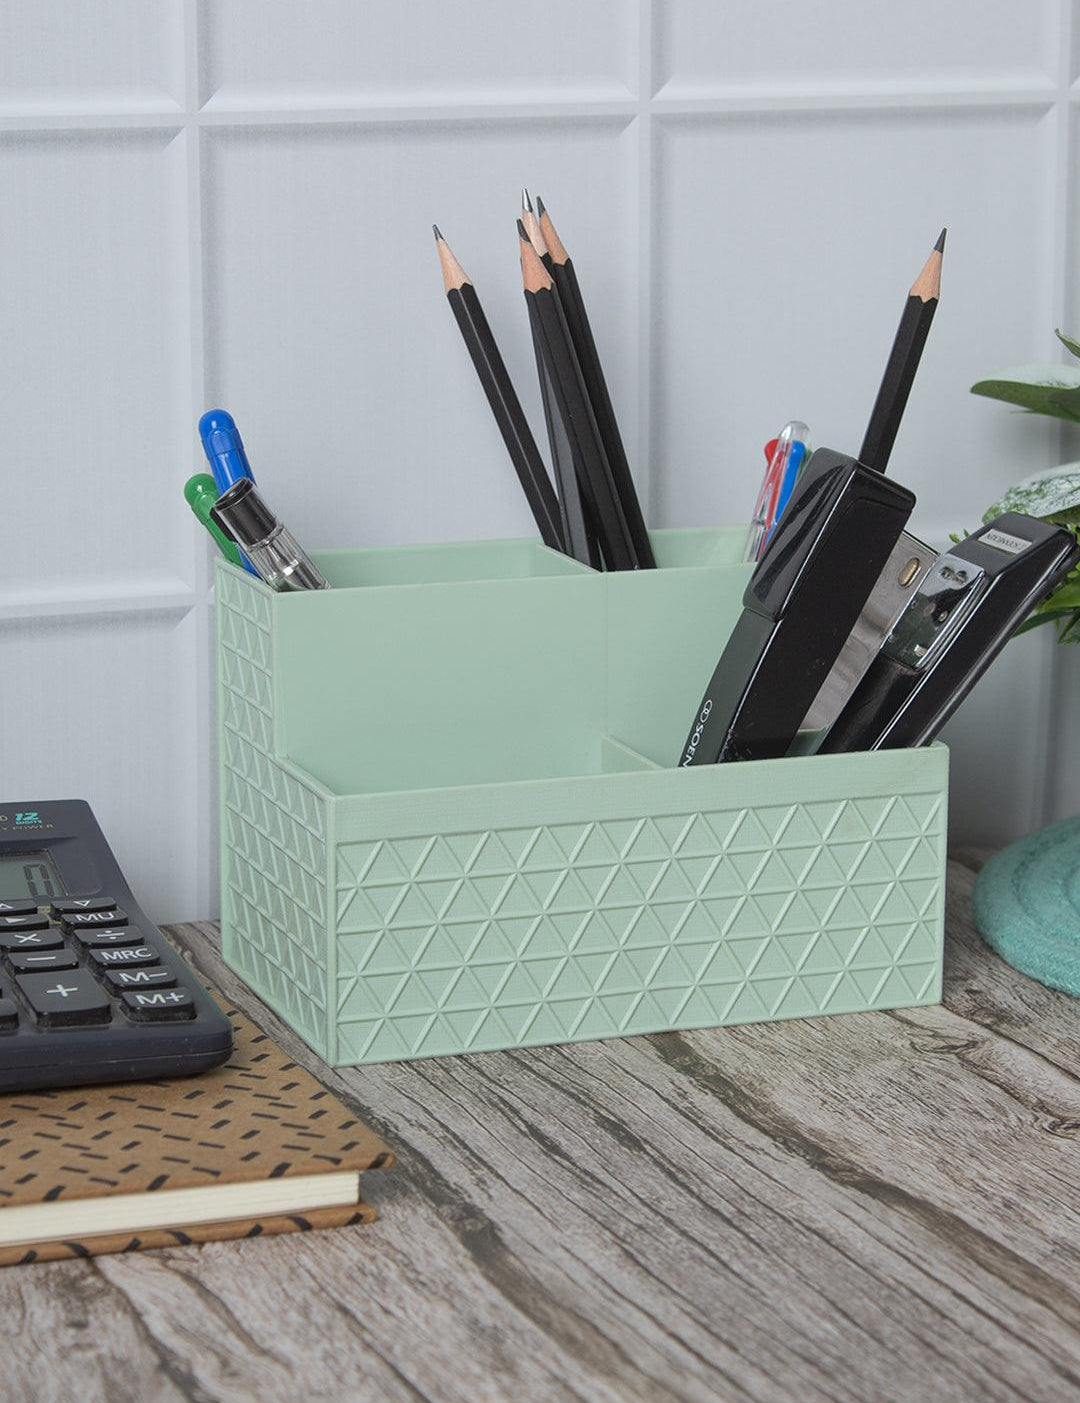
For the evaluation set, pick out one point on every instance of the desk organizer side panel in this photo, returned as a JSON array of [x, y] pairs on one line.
[[517, 915], [274, 827]]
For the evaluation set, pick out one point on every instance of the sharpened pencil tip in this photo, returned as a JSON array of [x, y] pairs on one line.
[[523, 233], [940, 245], [526, 202], [437, 232], [539, 207]]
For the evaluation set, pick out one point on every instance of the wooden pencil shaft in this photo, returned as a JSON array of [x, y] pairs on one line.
[[581, 543], [562, 450], [509, 415], [577, 319], [589, 456], [896, 382]]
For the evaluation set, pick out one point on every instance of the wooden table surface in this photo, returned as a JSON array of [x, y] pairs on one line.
[[871, 1207]]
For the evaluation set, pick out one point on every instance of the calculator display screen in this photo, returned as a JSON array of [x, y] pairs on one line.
[[32, 875]]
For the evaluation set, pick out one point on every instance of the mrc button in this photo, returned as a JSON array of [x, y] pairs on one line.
[[122, 956]]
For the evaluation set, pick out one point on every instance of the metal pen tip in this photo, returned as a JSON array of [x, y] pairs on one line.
[[526, 202]]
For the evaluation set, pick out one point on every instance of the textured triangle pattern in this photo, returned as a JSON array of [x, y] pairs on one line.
[[274, 860], [488, 939]]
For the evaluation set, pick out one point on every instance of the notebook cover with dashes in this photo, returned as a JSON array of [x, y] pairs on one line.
[[257, 1117]]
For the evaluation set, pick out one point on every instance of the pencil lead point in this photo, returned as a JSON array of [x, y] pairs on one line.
[[539, 207], [940, 245], [437, 232], [526, 202], [522, 232]]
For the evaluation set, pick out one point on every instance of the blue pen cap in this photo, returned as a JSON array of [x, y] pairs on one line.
[[224, 448]]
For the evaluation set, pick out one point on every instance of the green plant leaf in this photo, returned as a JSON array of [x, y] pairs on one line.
[[1068, 342], [1066, 597], [1040, 389], [1049, 493]]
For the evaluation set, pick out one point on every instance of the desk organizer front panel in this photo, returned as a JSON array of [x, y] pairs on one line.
[[579, 890]]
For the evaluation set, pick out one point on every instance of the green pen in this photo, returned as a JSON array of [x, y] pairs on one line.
[[200, 493]]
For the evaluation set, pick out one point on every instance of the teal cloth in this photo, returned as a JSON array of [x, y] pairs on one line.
[[1027, 905]]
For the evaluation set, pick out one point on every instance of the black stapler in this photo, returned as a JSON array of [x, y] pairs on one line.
[[799, 609], [966, 609]]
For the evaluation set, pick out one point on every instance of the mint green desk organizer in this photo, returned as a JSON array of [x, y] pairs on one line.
[[450, 820]]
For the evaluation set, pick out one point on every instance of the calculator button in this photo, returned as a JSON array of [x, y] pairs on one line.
[[9, 1016], [85, 903], [29, 961], [159, 1005], [119, 981], [79, 920], [60, 1000], [113, 935], [34, 922], [18, 908], [123, 956], [31, 939]]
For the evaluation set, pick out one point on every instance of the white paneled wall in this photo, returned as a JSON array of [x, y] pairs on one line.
[[230, 202]]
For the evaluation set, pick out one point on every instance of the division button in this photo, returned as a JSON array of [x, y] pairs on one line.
[[109, 935], [29, 961], [159, 1005], [31, 939], [71, 905], [123, 957], [64, 999], [119, 981]]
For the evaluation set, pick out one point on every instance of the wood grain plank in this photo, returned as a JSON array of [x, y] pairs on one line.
[[979, 985], [877, 1206]]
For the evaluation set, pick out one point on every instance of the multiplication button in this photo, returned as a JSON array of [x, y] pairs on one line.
[[30, 939], [159, 1006], [64, 999]]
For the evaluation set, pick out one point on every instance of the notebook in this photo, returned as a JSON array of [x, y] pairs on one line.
[[254, 1147]]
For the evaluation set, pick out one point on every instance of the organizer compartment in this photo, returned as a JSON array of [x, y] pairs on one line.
[[451, 819]]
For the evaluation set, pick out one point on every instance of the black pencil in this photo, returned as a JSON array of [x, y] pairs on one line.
[[903, 361], [501, 396], [563, 272], [561, 450], [568, 385]]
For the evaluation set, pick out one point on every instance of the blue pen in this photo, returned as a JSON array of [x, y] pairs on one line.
[[791, 476], [794, 438], [224, 448]]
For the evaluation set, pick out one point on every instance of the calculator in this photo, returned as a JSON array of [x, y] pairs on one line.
[[90, 990]]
